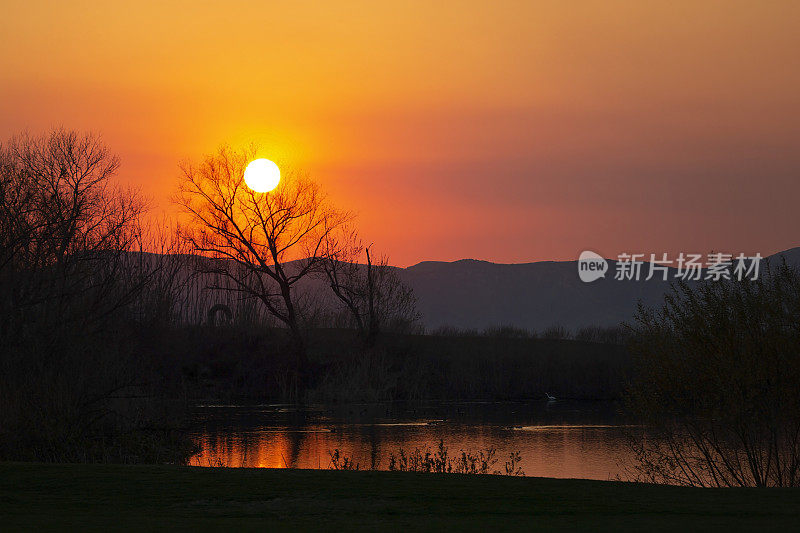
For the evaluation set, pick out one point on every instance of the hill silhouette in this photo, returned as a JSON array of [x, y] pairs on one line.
[[475, 294]]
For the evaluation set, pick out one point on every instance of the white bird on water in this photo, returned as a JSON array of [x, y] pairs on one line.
[[550, 398]]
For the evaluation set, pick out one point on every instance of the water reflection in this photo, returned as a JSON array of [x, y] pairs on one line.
[[561, 439]]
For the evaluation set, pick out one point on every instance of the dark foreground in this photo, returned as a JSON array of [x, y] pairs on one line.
[[36, 496]]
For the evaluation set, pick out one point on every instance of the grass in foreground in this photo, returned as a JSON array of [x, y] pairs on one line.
[[99, 497]]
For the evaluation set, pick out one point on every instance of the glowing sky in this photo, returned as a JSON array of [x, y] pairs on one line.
[[507, 131]]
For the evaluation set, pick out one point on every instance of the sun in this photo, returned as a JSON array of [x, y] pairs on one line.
[[262, 175]]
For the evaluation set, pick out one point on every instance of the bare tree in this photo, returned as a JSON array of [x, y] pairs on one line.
[[371, 292], [262, 244], [65, 227], [68, 284]]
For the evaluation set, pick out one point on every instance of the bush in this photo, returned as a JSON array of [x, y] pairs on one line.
[[717, 383]]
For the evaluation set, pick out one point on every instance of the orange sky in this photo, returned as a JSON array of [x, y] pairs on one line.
[[507, 131]]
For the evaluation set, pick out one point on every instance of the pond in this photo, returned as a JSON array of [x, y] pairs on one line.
[[562, 439]]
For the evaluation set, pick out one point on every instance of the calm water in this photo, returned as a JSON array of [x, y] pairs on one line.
[[556, 439]]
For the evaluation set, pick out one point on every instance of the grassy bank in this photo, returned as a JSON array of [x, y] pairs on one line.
[[98, 497]]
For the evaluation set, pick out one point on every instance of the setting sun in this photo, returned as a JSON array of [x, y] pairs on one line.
[[262, 175]]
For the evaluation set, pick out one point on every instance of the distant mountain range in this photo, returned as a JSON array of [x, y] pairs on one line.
[[476, 294], [472, 294]]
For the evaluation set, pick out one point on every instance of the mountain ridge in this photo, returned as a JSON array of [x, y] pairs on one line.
[[476, 294]]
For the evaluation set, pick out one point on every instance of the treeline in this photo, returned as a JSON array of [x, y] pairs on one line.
[[602, 334], [232, 363]]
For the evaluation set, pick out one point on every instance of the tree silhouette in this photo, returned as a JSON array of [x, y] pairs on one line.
[[716, 383], [263, 244], [64, 228], [371, 291]]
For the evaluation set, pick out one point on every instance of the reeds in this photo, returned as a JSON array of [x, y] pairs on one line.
[[438, 461]]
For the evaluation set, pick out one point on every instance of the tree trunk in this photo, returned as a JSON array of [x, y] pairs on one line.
[[373, 327], [298, 345]]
